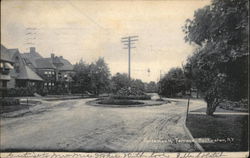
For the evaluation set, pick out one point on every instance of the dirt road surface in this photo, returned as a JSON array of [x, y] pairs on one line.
[[73, 125]]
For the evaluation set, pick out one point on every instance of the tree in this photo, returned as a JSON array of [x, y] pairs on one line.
[[173, 82], [218, 67], [94, 77], [82, 79], [100, 76], [151, 87], [138, 85], [119, 81]]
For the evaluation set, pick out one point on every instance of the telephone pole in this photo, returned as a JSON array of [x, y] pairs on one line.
[[129, 43]]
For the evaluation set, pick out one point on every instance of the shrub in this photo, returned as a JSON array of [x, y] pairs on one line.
[[9, 101], [112, 101], [131, 93], [20, 92], [141, 97]]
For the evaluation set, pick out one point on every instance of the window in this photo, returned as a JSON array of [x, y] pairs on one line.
[[52, 72], [45, 84], [65, 76], [49, 83], [45, 72], [52, 84], [49, 72]]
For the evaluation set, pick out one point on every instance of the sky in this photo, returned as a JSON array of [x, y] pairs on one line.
[[88, 30]]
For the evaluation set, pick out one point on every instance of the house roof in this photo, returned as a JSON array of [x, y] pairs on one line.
[[33, 55], [12, 52], [67, 66], [44, 63], [31, 58], [61, 64], [5, 55], [39, 62], [27, 74]]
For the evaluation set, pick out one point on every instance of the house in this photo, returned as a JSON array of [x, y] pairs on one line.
[[22, 75], [64, 71], [55, 71], [5, 68], [47, 71]]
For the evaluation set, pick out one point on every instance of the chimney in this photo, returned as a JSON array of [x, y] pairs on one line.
[[52, 56], [32, 49], [61, 57]]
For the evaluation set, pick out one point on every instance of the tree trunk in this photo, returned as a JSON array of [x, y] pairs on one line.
[[211, 107]]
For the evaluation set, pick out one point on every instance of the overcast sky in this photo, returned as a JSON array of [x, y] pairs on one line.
[[90, 29]]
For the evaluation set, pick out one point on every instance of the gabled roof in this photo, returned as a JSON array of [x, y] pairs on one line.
[[12, 52], [44, 63], [67, 66], [5, 55], [31, 58], [33, 55], [60, 63], [27, 74]]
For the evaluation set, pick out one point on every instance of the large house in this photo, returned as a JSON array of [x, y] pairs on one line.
[[31, 70], [5, 68], [22, 75], [55, 71]]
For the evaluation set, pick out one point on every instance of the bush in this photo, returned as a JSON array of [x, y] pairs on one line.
[[112, 101], [234, 105], [141, 97], [9, 101], [131, 93], [20, 92]]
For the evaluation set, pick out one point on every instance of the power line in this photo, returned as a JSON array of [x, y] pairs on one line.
[[129, 43]]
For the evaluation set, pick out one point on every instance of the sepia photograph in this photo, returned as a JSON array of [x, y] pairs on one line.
[[124, 78]]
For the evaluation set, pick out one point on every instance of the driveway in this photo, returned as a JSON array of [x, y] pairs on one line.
[[73, 125]]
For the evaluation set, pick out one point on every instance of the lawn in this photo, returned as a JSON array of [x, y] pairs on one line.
[[231, 130]]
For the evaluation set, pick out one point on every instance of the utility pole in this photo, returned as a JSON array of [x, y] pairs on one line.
[[160, 89], [129, 44]]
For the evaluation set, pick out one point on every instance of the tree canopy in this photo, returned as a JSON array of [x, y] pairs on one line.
[[173, 82], [94, 77], [219, 65]]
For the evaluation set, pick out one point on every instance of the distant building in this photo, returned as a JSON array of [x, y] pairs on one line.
[[55, 71], [5, 68]]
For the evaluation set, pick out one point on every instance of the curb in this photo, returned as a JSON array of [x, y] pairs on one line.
[[192, 138]]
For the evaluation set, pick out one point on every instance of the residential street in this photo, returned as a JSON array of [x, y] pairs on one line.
[[72, 125]]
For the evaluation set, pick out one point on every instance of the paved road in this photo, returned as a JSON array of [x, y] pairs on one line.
[[73, 125]]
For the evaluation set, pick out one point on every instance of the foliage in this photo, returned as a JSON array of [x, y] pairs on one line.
[[151, 87], [94, 77], [218, 67], [100, 76], [173, 82], [9, 101], [241, 105], [112, 101], [81, 77], [121, 82], [20, 92], [135, 91]]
